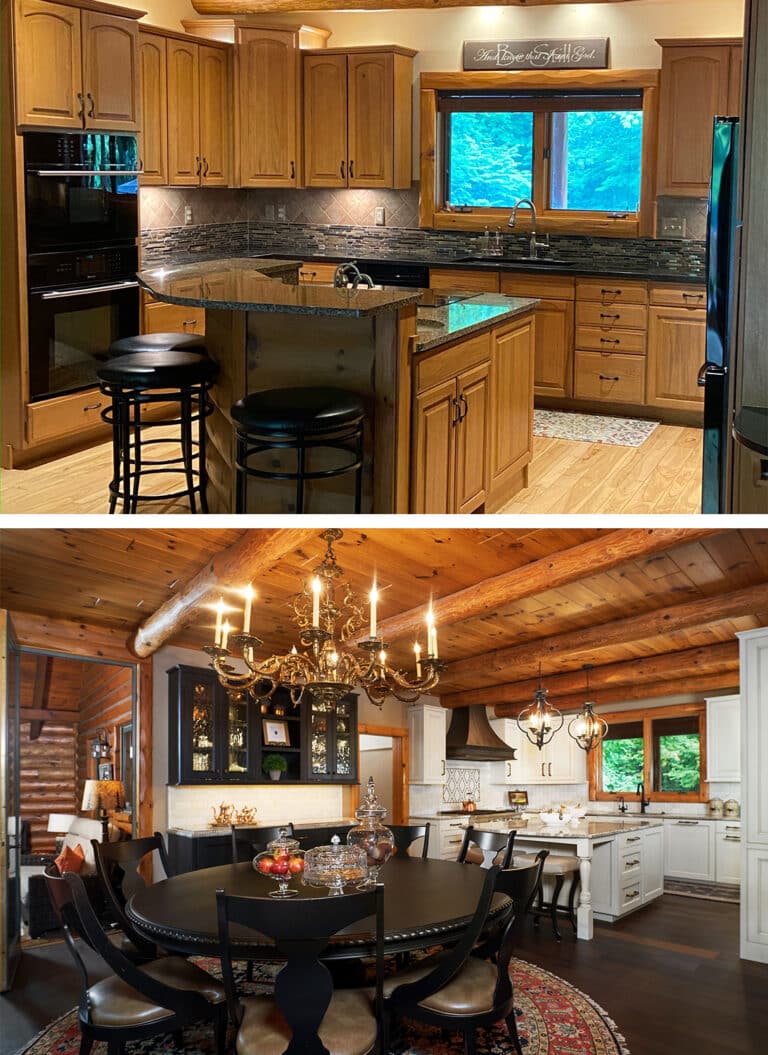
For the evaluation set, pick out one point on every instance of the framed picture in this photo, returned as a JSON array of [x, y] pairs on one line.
[[275, 732], [105, 771]]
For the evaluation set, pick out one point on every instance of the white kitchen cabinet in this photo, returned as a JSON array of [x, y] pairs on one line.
[[724, 738], [426, 725], [561, 761], [727, 852], [653, 863], [753, 667], [689, 849]]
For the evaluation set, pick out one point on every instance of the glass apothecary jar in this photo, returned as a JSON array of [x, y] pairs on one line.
[[335, 866], [282, 861], [371, 836]]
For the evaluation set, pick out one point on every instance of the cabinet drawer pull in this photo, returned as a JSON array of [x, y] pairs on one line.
[[341, 170], [549, 769], [693, 296], [687, 824], [610, 340], [733, 827], [633, 863], [732, 838], [293, 170], [442, 770], [628, 894], [603, 315], [457, 408], [613, 292], [542, 769], [95, 406], [633, 838], [605, 377], [463, 399]]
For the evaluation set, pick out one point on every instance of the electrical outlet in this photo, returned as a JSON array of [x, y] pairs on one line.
[[187, 214], [281, 213], [673, 227], [269, 211], [379, 216]]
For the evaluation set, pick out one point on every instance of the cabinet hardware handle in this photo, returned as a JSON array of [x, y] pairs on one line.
[[293, 170], [615, 292], [542, 769], [93, 104], [141, 164], [687, 824], [509, 769], [442, 769], [457, 408], [463, 399], [351, 169], [632, 863], [199, 165], [603, 315], [604, 377], [189, 322], [610, 340], [631, 893], [733, 827], [633, 838], [95, 406], [694, 296], [732, 838], [341, 170], [81, 112], [205, 170], [550, 769]]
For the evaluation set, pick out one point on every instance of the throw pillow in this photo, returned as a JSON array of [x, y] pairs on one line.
[[70, 859]]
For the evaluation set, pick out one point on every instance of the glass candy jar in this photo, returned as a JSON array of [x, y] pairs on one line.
[[334, 866], [282, 861], [371, 836]]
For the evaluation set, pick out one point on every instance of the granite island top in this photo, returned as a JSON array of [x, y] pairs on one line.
[[570, 832], [225, 829], [249, 284], [462, 315]]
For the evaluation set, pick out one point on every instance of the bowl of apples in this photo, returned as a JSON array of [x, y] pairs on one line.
[[282, 861]]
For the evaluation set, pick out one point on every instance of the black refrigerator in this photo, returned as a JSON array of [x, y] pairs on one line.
[[722, 224]]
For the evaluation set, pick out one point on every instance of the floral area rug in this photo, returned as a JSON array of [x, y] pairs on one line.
[[553, 1018], [592, 428]]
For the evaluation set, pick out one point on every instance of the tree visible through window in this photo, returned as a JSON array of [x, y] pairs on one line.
[[490, 162], [596, 160], [623, 757]]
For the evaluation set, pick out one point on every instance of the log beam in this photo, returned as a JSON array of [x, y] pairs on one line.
[[702, 685], [40, 691], [608, 551], [496, 666], [246, 559], [690, 662], [45, 714], [272, 7]]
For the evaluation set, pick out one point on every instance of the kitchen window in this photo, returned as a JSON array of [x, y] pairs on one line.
[[662, 748]]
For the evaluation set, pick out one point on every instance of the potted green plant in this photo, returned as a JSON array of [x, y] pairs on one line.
[[274, 765]]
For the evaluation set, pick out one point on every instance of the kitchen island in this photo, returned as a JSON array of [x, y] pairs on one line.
[[447, 386]]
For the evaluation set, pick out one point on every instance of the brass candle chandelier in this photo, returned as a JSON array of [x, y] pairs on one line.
[[328, 614]]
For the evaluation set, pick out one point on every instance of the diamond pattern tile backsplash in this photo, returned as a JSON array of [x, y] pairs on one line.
[[461, 784]]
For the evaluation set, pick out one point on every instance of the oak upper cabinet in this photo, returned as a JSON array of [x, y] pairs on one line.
[[267, 80], [153, 141], [553, 369], [76, 69], [198, 115], [511, 431], [699, 81], [676, 348], [358, 117]]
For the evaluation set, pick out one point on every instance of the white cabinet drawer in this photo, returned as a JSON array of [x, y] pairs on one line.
[[727, 852], [630, 895], [629, 841], [630, 863], [689, 849]]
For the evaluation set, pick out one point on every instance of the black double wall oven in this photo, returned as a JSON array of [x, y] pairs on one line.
[[82, 225]]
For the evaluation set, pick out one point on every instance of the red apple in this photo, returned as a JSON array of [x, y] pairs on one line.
[[265, 866], [280, 867], [296, 865]]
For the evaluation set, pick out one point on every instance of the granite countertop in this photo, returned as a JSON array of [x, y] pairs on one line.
[[246, 284], [438, 325], [584, 829], [225, 829], [668, 817]]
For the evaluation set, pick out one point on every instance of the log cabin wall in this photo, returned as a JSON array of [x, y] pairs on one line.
[[105, 703], [47, 744]]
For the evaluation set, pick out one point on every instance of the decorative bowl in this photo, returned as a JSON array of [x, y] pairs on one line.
[[554, 818], [577, 813]]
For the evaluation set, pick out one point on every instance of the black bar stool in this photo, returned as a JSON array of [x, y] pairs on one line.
[[298, 419], [142, 378], [158, 342]]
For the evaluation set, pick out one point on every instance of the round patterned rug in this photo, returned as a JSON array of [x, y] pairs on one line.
[[553, 1018]]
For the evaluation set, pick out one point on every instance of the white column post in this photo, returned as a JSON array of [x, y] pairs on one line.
[[584, 921]]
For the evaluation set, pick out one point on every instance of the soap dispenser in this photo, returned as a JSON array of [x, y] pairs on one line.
[[485, 242]]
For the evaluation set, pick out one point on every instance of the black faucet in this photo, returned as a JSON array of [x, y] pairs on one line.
[[643, 800], [623, 807]]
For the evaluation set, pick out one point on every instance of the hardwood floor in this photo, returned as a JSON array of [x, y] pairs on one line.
[[669, 976], [661, 476]]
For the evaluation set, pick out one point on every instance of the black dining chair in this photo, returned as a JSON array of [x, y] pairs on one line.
[[407, 834], [306, 1016], [118, 866], [320, 836], [133, 1002], [483, 848], [457, 990], [249, 841]]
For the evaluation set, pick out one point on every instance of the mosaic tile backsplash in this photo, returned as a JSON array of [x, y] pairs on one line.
[[461, 784]]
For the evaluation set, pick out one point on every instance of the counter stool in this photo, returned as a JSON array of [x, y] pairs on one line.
[[158, 342], [150, 377], [299, 419], [559, 867]]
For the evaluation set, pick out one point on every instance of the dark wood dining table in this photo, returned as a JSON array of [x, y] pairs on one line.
[[426, 902]]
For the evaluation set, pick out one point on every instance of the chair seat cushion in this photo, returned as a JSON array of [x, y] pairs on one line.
[[168, 369], [115, 1003], [470, 992], [555, 864], [291, 410], [348, 1028], [158, 342]]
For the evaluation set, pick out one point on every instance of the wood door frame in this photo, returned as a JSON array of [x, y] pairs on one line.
[[399, 808]]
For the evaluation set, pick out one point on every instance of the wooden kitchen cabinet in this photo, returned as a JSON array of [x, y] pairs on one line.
[[511, 429], [467, 281], [198, 115], [700, 80], [676, 350], [358, 117], [433, 480], [553, 369], [267, 127], [76, 69], [153, 140], [161, 317], [213, 65]]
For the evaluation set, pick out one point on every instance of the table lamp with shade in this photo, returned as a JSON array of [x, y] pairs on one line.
[[59, 824], [103, 795]]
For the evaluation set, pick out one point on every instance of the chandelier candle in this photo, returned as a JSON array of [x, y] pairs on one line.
[[219, 620], [373, 597], [316, 588], [249, 593]]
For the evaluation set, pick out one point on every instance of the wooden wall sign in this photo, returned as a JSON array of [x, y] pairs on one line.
[[587, 54]]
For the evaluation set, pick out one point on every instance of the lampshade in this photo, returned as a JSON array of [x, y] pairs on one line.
[[103, 794], [60, 822]]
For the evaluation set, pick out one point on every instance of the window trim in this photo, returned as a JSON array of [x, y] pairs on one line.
[[432, 213], [647, 717]]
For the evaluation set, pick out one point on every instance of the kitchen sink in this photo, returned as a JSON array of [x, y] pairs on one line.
[[542, 262]]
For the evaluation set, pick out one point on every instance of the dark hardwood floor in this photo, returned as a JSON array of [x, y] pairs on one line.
[[669, 976]]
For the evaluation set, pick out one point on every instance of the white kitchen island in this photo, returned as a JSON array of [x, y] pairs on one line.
[[621, 861]]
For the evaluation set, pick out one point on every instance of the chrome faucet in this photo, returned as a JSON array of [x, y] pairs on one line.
[[623, 807], [533, 244], [349, 274]]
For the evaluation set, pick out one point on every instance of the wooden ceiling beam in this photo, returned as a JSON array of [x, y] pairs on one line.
[[46, 714], [251, 556], [40, 690], [497, 665], [690, 662], [273, 7], [699, 686], [610, 550]]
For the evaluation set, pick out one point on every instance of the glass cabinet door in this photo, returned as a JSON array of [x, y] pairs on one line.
[[197, 727], [320, 727], [342, 748], [236, 745], [333, 741]]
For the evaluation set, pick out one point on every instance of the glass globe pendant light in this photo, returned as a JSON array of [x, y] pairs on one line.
[[541, 720], [587, 728]]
